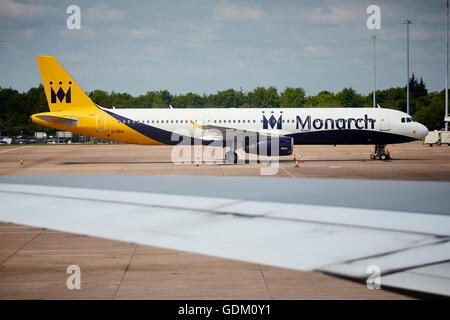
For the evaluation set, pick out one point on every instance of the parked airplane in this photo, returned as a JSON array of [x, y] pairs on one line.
[[265, 131]]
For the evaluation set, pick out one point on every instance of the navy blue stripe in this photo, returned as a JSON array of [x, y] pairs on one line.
[[160, 135], [348, 136]]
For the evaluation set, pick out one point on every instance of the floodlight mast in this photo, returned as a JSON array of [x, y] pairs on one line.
[[446, 75], [374, 37], [407, 22]]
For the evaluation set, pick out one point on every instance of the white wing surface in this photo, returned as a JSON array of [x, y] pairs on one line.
[[411, 249]]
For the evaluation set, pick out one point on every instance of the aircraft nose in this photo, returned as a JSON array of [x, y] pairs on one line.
[[421, 131]]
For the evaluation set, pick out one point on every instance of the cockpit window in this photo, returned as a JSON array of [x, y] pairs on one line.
[[408, 119]]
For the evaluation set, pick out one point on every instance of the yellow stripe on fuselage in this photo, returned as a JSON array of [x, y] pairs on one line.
[[97, 124]]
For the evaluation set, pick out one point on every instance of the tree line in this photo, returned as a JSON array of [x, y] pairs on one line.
[[425, 107]]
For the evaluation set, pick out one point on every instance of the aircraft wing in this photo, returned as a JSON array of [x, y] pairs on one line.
[[216, 132], [410, 249]]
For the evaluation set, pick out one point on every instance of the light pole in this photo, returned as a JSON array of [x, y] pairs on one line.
[[374, 37], [446, 73], [407, 22]]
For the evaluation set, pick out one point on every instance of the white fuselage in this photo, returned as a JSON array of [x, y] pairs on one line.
[[305, 125]]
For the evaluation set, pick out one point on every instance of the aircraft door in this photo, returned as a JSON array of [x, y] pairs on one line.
[[101, 121], [384, 120]]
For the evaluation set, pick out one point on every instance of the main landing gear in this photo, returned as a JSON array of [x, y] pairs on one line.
[[231, 157], [380, 153]]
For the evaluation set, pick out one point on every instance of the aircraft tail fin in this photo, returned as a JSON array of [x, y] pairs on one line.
[[63, 93]]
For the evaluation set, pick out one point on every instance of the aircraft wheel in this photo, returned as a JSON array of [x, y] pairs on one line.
[[231, 157], [383, 157]]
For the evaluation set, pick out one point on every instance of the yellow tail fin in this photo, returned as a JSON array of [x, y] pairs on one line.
[[63, 93]]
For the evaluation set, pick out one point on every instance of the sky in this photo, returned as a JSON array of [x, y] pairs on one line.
[[205, 46]]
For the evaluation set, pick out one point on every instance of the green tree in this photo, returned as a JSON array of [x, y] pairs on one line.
[[189, 100], [292, 98], [261, 97], [226, 99], [431, 111], [417, 88], [101, 98], [324, 99], [165, 97], [348, 98]]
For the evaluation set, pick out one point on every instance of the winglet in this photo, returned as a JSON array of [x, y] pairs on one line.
[[195, 124]]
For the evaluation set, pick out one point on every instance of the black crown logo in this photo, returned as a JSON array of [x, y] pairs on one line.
[[60, 94]]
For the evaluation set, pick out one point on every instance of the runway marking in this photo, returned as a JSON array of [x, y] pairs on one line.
[[335, 167], [24, 232], [125, 271], [13, 149], [287, 171], [15, 227]]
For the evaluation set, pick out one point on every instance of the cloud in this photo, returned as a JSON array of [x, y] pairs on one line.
[[234, 12], [9, 8], [142, 33], [102, 13], [336, 15], [318, 51]]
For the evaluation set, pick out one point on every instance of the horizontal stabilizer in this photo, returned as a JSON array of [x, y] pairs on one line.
[[67, 121]]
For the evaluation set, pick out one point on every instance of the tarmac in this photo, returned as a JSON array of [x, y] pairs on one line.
[[33, 261], [410, 161]]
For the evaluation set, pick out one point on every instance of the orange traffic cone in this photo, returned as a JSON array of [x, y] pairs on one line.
[[296, 163], [196, 163], [21, 162], [301, 160]]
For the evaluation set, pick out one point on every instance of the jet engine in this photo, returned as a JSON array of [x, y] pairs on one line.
[[270, 146]]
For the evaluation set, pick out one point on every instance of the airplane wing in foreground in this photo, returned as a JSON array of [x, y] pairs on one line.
[[411, 249]]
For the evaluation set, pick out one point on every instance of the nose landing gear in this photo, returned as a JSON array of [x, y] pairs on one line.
[[380, 153]]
